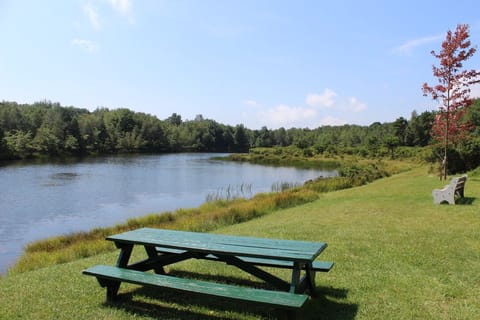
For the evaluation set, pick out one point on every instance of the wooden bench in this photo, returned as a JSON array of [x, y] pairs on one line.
[[454, 188], [110, 277], [319, 266]]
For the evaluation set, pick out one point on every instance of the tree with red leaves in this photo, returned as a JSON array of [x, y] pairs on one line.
[[452, 90]]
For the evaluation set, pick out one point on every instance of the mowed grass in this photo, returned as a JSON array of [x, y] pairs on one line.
[[397, 255]]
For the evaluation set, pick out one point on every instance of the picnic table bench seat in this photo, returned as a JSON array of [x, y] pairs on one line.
[[110, 276], [456, 187], [320, 266]]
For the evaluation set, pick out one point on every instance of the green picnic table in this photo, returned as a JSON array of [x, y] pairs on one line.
[[166, 247]]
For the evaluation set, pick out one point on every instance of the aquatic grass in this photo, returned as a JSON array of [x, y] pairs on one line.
[[243, 190], [283, 186]]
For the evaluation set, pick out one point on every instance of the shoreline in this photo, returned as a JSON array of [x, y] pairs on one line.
[[206, 217]]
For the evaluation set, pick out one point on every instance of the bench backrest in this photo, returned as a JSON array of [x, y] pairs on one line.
[[460, 183]]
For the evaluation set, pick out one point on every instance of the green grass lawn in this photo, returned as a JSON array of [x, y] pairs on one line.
[[397, 255]]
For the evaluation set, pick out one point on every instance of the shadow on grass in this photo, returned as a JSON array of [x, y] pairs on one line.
[[466, 201], [330, 303], [170, 304]]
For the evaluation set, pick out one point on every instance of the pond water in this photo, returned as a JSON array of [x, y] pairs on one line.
[[39, 200]]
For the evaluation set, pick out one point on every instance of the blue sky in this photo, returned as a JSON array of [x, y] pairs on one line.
[[259, 63]]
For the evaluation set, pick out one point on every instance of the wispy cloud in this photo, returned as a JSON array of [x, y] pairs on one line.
[[355, 105], [86, 45], [327, 100], [284, 115], [324, 100], [124, 8], [326, 108], [409, 46], [92, 14]]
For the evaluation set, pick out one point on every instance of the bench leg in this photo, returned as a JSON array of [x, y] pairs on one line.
[[112, 291], [112, 288]]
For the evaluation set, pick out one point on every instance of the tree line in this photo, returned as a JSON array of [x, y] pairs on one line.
[[49, 129]]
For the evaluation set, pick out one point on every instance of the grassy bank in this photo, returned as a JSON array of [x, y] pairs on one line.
[[397, 256], [287, 156]]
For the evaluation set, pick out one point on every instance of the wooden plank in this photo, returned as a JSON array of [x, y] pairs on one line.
[[266, 297], [320, 266], [292, 250], [149, 234]]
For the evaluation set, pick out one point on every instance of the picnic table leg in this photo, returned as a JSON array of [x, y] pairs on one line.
[[152, 253], [112, 288], [295, 278], [255, 271], [125, 253], [310, 278], [122, 261]]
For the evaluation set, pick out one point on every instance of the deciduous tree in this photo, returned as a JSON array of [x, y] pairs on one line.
[[452, 90]]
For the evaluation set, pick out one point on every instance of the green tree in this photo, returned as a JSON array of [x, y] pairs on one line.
[[391, 142], [19, 143], [281, 137], [175, 119], [400, 127], [71, 144], [241, 140], [263, 138], [153, 132], [47, 142], [419, 128]]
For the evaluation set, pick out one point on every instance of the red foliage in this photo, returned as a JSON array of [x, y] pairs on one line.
[[457, 127], [452, 90]]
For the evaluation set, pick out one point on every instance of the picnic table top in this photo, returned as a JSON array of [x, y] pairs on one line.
[[291, 250]]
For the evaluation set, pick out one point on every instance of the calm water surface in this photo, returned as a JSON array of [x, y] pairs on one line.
[[43, 200]]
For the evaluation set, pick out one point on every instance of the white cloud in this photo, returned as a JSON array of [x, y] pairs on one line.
[[92, 14], [284, 115], [123, 7], [324, 100], [251, 103], [86, 45], [320, 109], [409, 46], [356, 106]]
